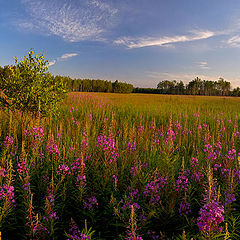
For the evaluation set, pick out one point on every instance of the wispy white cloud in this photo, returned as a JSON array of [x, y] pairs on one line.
[[51, 63], [71, 20], [234, 41], [104, 7], [26, 25], [68, 55], [62, 58], [233, 34], [203, 65], [163, 41]]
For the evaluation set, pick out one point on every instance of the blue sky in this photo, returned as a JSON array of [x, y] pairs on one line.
[[138, 41]]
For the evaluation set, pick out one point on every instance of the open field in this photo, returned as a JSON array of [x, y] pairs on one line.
[[123, 166]]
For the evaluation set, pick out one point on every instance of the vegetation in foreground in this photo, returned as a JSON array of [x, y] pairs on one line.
[[108, 167], [102, 166]]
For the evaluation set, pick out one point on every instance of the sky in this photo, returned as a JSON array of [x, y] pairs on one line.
[[141, 42]]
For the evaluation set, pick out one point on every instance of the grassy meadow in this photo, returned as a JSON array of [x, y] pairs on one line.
[[122, 166]]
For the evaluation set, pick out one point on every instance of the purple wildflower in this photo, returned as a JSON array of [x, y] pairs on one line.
[[155, 188], [108, 146], [131, 147], [211, 215], [78, 169], [8, 141], [182, 183], [7, 193], [75, 234], [38, 133], [52, 148], [63, 170], [184, 208], [90, 203]]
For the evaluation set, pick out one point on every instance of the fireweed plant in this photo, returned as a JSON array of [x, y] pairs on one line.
[[164, 167]]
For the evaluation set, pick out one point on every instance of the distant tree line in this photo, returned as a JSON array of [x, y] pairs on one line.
[[92, 85], [82, 85], [194, 87]]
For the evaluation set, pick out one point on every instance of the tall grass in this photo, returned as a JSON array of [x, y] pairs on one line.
[[122, 166]]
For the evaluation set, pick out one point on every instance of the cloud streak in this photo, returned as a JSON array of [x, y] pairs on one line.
[[51, 63], [234, 41], [71, 20], [203, 65], [68, 55], [62, 58], [163, 41]]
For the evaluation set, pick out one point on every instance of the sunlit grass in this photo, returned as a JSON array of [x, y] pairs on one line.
[[125, 164]]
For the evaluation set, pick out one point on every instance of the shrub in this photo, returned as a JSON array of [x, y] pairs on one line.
[[29, 87]]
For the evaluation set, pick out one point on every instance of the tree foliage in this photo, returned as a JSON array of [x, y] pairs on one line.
[[198, 87], [96, 85], [29, 87]]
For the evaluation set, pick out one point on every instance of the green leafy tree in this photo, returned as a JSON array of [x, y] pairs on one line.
[[30, 87]]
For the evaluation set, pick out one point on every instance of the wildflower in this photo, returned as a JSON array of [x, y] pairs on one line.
[[75, 234], [145, 165], [135, 237], [140, 128], [182, 183], [133, 170], [170, 137], [230, 198], [155, 142], [8, 141], [49, 206], [38, 133], [115, 179], [132, 228], [211, 215], [90, 116], [178, 126], [78, 169], [197, 176], [3, 172], [63, 170], [7, 193], [130, 199], [194, 162], [184, 208], [131, 147], [52, 148], [90, 202], [108, 146], [152, 126], [22, 168], [154, 189], [35, 225], [212, 212], [84, 143]]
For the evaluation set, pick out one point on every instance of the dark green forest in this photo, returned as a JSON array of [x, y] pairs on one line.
[[81, 85], [197, 86]]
